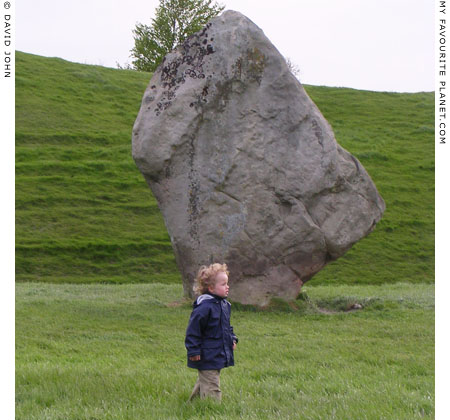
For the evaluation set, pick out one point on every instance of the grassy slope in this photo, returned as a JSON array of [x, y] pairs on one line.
[[392, 135], [85, 214]]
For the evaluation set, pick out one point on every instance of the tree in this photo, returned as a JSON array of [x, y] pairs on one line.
[[174, 21], [294, 69]]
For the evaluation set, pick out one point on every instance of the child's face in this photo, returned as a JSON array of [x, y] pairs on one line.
[[220, 287]]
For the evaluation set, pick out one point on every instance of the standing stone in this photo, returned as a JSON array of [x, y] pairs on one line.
[[245, 168]]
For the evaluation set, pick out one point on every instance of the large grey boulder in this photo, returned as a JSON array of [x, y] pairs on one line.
[[245, 168]]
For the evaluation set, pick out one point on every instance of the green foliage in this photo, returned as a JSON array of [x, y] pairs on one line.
[[175, 20], [117, 352], [84, 213]]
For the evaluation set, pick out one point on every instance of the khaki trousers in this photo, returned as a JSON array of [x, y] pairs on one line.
[[207, 385]]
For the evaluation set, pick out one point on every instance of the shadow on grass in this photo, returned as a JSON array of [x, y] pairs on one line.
[[303, 305]]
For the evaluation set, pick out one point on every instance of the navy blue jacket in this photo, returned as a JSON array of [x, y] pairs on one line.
[[209, 333]]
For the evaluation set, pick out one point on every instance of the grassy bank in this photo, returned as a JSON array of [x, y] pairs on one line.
[[117, 352], [85, 215]]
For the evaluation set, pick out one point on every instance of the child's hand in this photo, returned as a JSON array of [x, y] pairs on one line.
[[234, 345], [194, 358]]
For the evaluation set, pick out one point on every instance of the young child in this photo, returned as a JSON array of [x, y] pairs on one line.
[[210, 340]]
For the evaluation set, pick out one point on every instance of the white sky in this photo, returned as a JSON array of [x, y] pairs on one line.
[[383, 45]]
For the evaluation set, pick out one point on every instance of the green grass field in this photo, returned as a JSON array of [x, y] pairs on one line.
[[84, 213], [86, 352]]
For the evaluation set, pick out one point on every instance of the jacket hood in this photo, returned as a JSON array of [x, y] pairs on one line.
[[202, 298], [206, 297]]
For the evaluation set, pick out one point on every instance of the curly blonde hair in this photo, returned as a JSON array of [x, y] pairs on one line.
[[206, 277]]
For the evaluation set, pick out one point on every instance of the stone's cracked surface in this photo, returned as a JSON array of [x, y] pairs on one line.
[[244, 166]]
